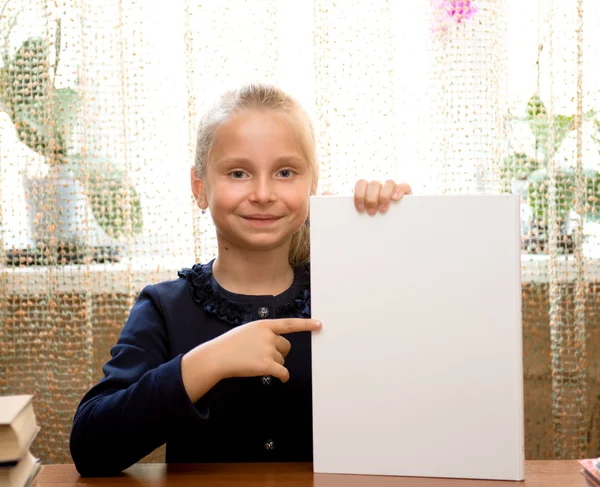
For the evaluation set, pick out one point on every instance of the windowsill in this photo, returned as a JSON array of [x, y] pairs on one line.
[[536, 269], [130, 276], [127, 276]]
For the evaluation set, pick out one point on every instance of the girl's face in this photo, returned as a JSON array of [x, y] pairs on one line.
[[257, 182]]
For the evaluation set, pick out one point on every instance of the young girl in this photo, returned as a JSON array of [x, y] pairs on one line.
[[217, 363]]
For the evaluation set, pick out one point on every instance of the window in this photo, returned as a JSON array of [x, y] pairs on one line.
[[389, 99]]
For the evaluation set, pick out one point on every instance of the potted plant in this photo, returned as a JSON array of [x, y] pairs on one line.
[[76, 185], [529, 175]]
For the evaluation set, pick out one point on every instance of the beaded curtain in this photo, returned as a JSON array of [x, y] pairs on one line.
[[99, 101]]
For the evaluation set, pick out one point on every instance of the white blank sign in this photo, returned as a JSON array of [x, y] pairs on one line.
[[417, 370]]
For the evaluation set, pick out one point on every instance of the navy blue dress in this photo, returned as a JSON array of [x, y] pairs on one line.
[[141, 402]]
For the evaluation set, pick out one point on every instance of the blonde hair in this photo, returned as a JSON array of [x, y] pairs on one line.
[[265, 98]]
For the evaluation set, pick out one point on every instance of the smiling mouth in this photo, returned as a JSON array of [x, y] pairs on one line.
[[262, 219]]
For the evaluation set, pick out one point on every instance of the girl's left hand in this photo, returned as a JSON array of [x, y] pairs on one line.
[[374, 196]]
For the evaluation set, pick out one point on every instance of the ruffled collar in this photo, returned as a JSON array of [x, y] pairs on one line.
[[236, 309]]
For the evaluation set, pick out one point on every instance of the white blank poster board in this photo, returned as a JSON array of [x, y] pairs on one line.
[[417, 370]]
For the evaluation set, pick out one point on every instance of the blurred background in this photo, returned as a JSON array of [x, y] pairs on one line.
[[99, 102]]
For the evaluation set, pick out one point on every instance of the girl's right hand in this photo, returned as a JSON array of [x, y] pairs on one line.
[[257, 348], [254, 349]]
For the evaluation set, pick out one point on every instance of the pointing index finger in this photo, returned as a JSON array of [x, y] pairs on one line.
[[293, 325]]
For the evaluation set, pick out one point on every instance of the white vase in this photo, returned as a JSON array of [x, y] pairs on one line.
[[60, 215], [58, 208]]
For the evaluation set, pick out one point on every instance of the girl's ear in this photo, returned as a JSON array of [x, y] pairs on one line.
[[198, 190]]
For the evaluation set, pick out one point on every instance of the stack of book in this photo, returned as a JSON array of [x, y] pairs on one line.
[[591, 471], [18, 429]]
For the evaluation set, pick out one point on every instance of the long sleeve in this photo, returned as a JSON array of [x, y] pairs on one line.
[[140, 401]]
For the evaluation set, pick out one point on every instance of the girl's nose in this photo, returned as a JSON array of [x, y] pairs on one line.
[[263, 191]]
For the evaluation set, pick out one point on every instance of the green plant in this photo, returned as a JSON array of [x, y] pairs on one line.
[[29, 98], [110, 196], [596, 136], [44, 117], [518, 166], [548, 138], [539, 191]]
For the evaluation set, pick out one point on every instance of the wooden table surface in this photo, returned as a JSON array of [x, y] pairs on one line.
[[537, 473]]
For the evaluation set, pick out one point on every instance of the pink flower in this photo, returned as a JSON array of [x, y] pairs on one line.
[[461, 9], [450, 11]]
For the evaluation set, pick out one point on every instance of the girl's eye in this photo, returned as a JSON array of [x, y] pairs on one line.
[[286, 173], [238, 174]]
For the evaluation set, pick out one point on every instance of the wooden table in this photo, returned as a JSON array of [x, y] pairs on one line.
[[537, 473]]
